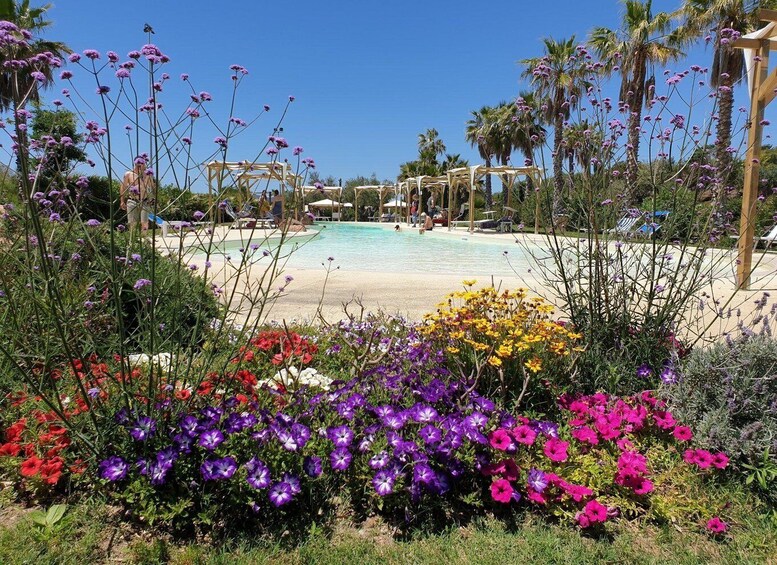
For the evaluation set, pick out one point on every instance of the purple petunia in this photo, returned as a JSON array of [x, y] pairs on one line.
[[424, 474], [218, 469], [340, 459], [211, 439], [644, 371], [113, 469], [280, 494], [257, 474], [430, 435], [341, 436], [383, 481], [312, 466], [423, 414], [143, 429], [379, 461], [537, 480]]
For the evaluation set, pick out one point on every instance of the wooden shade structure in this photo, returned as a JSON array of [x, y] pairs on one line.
[[469, 177], [381, 189], [762, 85], [325, 190], [244, 175], [421, 183]]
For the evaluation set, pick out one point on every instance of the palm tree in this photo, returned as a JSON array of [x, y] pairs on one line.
[[430, 146], [728, 63], [641, 42], [21, 87], [557, 78], [479, 133]]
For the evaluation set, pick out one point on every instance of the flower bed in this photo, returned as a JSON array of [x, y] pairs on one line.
[[401, 436]]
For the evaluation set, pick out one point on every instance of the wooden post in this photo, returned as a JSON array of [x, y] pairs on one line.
[[746, 241], [537, 187], [472, 174]]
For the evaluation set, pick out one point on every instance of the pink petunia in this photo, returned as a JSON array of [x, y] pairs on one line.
[[511, 470], [536, 497], [720, 460], [524, 435], [645, 487], [500, 439], [716, 525], [664, 420], [586, 435], [493, 469], [596, 512], [682, 433], [577, 492], [502, 491], [556, 450], [703, 458]]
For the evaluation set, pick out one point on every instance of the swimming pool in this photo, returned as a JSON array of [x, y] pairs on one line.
[[377, 249]]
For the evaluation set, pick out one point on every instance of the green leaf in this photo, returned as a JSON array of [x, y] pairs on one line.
[[38, 517], [55, 513]]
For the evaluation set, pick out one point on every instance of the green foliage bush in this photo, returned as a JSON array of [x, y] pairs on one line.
[[728, 395], [82, 267]]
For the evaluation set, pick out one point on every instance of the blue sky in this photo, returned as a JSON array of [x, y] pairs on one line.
[[368, 76]]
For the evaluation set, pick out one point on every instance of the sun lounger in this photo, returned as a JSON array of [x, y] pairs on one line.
[[769, 238], [176, 226], [241, 217], [625, 225]]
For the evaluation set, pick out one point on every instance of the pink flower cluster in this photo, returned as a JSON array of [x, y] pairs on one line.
[[703, 459], [594, 422], [632, 472]]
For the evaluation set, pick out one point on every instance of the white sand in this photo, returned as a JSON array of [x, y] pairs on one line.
[[413, 295]]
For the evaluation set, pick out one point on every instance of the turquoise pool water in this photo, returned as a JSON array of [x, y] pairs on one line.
[[375, 249]]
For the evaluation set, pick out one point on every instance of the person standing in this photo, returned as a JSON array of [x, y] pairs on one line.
[[277, 207], [135, 195], [430, 205], [414, 211]]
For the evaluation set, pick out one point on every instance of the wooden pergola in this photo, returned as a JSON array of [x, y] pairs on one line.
[[244, 175], [421, 183], [469, 177], [762, 88], [338, 190], [382, 189]]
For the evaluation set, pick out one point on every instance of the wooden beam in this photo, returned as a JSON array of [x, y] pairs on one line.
[[749, 43], [767, 15], [752, 169], [766, 91]]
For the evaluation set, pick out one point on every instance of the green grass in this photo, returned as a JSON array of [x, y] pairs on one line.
[[92, 533]]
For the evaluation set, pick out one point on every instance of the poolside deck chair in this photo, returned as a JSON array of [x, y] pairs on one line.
[[649, 229], [625, 225], [244, 215], [769, 238], [166, 226]]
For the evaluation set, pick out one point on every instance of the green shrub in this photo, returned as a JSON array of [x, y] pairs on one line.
[[728, 395]]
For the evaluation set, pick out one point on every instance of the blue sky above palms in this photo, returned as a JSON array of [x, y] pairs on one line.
[[368, 76]]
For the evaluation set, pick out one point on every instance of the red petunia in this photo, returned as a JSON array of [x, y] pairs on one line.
[[10, 449], [31, 466]]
